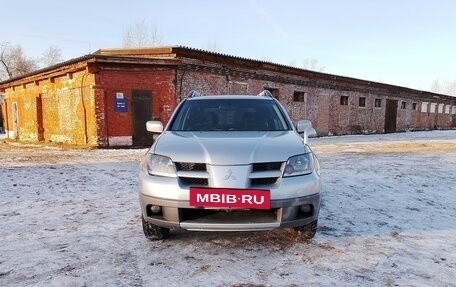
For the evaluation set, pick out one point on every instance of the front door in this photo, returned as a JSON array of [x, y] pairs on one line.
[[323, 114], [15, 121], [141, 103], [2, 126], [39, 117], [390, 116]]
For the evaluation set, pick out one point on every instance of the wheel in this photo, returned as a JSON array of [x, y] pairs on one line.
[[307, 231], [154, 232]]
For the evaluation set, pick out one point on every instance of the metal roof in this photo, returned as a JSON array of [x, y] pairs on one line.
[[175, 52]]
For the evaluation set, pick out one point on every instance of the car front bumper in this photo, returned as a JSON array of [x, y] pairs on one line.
[[179, 214], [294, 202]]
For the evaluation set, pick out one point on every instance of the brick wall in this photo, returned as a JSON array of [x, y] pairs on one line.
[[78, 108], [118, 125], [322, 97], [75, 103], [65, 113]]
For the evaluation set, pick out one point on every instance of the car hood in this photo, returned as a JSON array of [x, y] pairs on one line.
[[229, 148]]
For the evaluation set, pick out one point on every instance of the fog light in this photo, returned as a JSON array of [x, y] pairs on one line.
[[155, 209], [306, 208]]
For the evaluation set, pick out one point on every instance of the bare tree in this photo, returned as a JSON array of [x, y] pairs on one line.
[[212, 46], [293, 63], [308, 64], [51, 56], [312, 64], [141, 35], [15, 62], [435, 86], [447, 87], [20, 63], [5, 72], [451, 88]]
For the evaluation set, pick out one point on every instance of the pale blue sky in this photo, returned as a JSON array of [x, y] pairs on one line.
[[406, 43]]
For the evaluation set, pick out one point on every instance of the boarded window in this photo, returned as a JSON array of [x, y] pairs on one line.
[[298, 96], [424, 107], [441, 108], [362, 102], [238, 88], [433, 108], [344, 100], [378, 103], [274, 92]]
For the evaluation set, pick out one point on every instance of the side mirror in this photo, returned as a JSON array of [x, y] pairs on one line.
[[305, 127], [154, 127]]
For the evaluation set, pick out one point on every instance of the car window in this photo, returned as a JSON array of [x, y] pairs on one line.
[[229, 115]]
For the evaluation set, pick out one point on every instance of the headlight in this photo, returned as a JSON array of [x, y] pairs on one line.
[[299, 165], [160, 165]]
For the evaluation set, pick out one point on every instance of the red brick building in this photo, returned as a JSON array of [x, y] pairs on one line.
[[105, 98]]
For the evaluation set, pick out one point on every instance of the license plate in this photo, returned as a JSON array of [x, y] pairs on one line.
[[230, 198]]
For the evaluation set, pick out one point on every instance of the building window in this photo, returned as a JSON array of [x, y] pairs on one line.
[[344, 100], [424, 107], [414, 106], [378, 103], [453, 110], [447, 109], [362, 101], [238, 88], [433, 108], [440, 108], [274, 92], [298, 96], [403, 105]]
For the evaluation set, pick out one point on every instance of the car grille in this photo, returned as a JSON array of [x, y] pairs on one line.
[[265, 166], [263, 181], [194, 181], [195, 174], [190, 166]]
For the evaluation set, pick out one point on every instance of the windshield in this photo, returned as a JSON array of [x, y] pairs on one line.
[[229, 115]]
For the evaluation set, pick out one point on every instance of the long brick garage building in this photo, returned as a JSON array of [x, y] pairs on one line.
[[105, 98]]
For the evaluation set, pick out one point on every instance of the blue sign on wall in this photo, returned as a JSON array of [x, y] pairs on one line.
[[120, 105]]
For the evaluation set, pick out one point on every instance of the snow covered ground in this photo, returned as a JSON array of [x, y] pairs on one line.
[[71, 218]]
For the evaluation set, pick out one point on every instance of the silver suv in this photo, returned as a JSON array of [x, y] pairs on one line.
[[229, 163]]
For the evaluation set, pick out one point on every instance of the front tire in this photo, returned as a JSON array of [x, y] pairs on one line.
[[154, 232], [307, 231]]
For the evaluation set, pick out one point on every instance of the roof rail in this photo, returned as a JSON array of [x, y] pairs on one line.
[[193, 94], [266, 93]]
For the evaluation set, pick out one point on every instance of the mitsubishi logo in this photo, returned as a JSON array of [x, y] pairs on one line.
[[229, 175]]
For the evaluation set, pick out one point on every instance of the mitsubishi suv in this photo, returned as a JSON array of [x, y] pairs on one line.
[[229, 163]]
